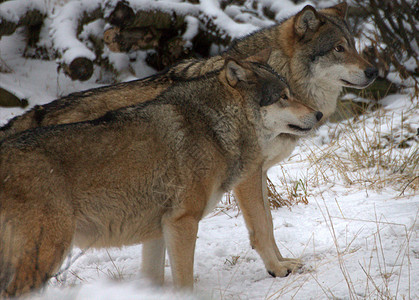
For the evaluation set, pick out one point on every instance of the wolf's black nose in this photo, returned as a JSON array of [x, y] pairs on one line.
[[319, 115], [371, 72]]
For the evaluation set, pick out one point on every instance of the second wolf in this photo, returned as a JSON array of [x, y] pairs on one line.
[[145, 173]]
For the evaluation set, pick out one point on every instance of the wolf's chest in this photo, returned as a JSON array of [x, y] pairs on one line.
[[277, 150], [213, 201]]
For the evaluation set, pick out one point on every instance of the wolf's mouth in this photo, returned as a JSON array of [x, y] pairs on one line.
[[347, 83], [298, 128]]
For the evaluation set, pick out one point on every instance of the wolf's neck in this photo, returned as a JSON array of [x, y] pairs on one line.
[[319, 94]]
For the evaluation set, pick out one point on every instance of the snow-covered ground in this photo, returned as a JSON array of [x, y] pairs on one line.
[[358, 236]]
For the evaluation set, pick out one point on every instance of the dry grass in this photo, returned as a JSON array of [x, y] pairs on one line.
[[376, 151]]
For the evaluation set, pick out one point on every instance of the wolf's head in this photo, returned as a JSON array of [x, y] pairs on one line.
[[269, 93], [289, 116], [324, 49]]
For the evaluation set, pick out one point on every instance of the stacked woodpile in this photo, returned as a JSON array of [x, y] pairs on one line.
[[169, 32]]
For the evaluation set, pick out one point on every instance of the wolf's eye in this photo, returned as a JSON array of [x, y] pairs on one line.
[[284, 96], [339, 48]]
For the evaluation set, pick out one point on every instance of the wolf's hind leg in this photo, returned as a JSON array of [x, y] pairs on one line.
[[153, 260], [180, 237], [35, 250]]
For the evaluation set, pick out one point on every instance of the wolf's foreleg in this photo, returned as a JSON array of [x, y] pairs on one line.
[[252, 197], [269, 217]]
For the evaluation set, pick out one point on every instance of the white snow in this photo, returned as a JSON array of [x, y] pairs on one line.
[[284, 9], [219, 17], [182, 8], [192, 27], [357, 238]]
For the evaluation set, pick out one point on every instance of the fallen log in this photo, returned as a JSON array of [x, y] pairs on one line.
[[122, 16], [131, 39], [17, 13], [76, 59], [7, 99], [81, 68]]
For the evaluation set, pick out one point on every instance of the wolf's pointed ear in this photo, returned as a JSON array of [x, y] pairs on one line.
[[306, 21], [340, 10], [235, 72], [260, 57]]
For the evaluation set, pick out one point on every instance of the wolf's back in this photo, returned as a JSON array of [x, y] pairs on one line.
[[87, 105], [18, 124]]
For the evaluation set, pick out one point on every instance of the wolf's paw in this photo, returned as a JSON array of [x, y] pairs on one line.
[[285, 267]]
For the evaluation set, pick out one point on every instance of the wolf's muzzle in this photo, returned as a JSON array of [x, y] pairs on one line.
[[319, 115]]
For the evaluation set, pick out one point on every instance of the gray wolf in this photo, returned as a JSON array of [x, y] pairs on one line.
[[144, 173]]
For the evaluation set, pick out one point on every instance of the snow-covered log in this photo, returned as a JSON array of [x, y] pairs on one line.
[[8, 99], [75, 58], [16, 13], [122, 15]]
